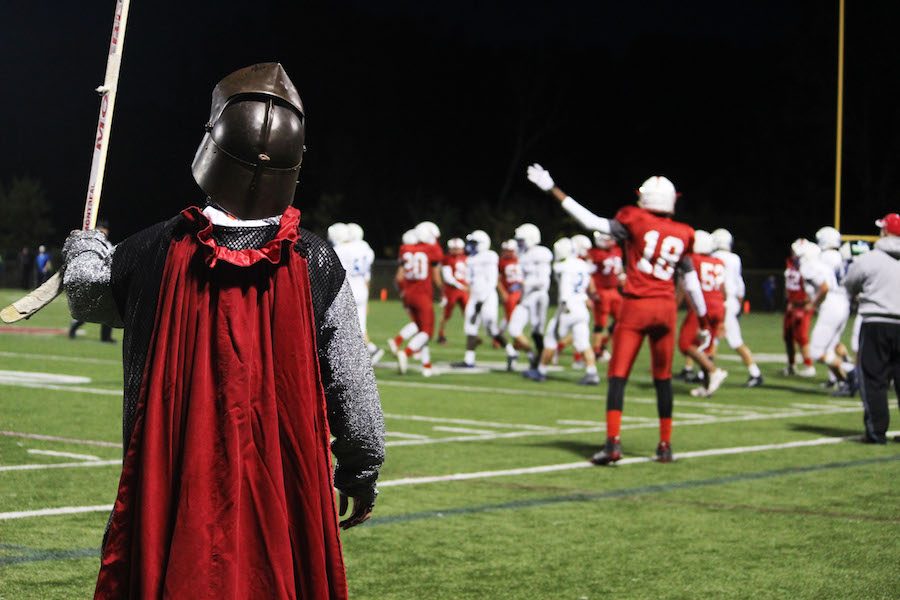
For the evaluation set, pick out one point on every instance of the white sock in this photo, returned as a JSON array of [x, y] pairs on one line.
[[754, 370], [418, 341], [510, 351], [848, 367], [426, 355], [591, 369], [542, 369], [469, 357], [409, 330]]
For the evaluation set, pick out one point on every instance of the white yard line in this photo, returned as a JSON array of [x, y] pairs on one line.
[[626, 461], [53, 438], [462, 430], [93, 463], [90, 457], [828, 410], [61, 358], [494, 424], [409, 436], [66, 388], [582, 464], [47, 512]]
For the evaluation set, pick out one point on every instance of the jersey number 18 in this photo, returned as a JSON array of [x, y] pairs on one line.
[[660, 264]]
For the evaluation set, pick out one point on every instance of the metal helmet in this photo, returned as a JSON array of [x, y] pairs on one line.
[[339, 233], [428, 232], [249, 158], [479, 241], [723, 239], [828, 238], [563, 249], [703, 242], [657, 194], [528, 235], [356, 233], [581, 243], [410, 238]]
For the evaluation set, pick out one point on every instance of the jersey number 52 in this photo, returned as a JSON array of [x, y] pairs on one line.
[[660, 262]]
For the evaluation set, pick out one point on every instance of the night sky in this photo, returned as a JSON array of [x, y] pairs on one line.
[[433, 109]]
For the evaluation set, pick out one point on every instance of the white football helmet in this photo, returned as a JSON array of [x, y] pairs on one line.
[[338, 233], [510, 246], [828, 238], [410, 238], [603, 240], [455, 244], [703, 242], [657, 194], [805, 249], [356, 232], [428, 232], [581, 244], [722, 239], [528, 235], [480, 240], [563, 249]]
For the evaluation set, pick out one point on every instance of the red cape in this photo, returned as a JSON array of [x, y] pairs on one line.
[[226, 487]]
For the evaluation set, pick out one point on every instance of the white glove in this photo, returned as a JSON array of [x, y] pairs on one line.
[[704, 339], [540, 177]]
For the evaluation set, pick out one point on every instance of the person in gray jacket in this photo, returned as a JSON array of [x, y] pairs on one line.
[[875, 279]]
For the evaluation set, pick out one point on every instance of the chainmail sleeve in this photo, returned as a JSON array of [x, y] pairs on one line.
[[87, 274], [354, 407]]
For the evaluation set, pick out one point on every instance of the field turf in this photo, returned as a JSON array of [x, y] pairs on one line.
[[486, 492]]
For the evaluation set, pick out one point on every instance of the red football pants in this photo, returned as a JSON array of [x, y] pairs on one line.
[[654, 318], [421, 310], [609, 303], [454, 296], [796, 325]]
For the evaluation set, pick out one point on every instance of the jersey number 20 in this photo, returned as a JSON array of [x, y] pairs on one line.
[[662, 264]]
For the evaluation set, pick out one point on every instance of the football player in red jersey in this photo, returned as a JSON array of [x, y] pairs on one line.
[[456, 288], [511, 278], [608, 277], [418, 272], [656, 247], [797, 318], [711, 272]]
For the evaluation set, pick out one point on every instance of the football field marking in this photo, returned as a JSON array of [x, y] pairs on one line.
[[41, 467], [61, 358], [53, 438], [582, 464], [63, 454]]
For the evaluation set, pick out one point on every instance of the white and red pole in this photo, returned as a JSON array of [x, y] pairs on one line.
[[44, 295]]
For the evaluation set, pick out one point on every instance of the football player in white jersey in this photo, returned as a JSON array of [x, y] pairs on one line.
[[734, 300], [829, 241], [481, 309], [833, 308], [575, 286], [535, 261], [357, 257]]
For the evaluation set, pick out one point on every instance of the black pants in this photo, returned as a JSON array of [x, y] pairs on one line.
[[879, 363], [105, 330]]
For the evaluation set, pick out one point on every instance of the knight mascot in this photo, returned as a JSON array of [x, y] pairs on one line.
[[244, 371]]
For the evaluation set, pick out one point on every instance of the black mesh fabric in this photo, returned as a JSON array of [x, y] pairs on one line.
[[240, 238], [137, 271]]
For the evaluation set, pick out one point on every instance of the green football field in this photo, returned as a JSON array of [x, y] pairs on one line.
[[486, 492]]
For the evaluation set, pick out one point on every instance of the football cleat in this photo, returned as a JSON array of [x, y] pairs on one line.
[[604, 356], [664, 453], [684, 374], [700, 392], [534, 375], [590, 379], [753, 382], [462, 365], [393, 345], [611, 453], [715, 380], [788, 370], [402, 362], [427, 372], [853, 381], [807, 371]]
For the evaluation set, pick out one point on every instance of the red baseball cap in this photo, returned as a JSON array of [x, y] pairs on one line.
[[890, 223]]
